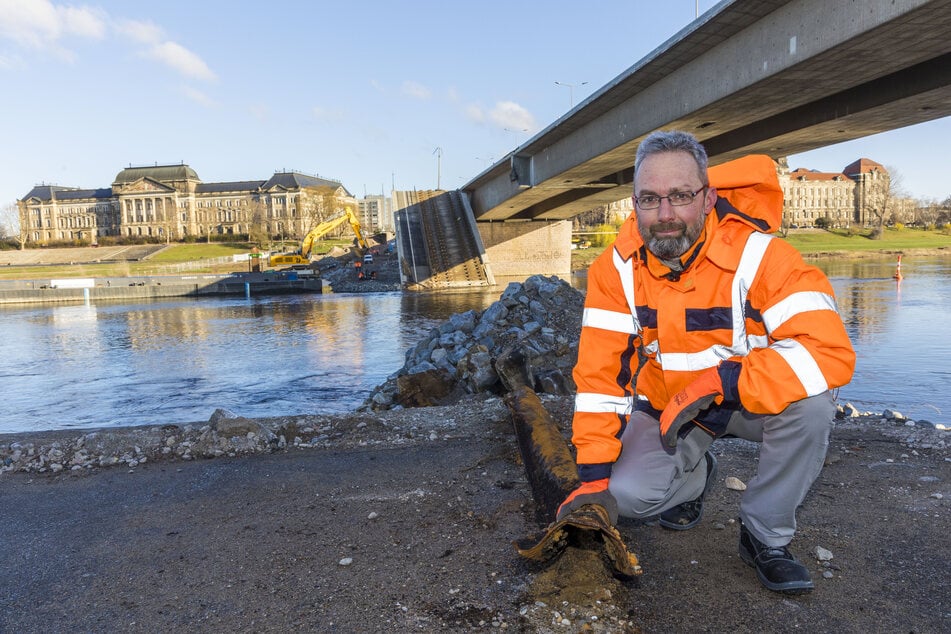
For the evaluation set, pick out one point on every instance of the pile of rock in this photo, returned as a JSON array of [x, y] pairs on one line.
[[531, 331], [339, 272]]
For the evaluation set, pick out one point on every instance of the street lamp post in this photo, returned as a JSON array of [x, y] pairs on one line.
[[438, 153], [515, 132], [571, 92]]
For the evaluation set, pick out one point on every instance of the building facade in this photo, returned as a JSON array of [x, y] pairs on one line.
[[376, 211], [856, 196], [170, 202]]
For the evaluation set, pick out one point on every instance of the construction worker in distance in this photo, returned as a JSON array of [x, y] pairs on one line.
[[734, 334]]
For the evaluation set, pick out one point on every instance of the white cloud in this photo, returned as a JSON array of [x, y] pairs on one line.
[[377, 85], [180, 59], [41, 25], [198, 97], [416, 90], [139, 31], [83, 21], [508, 114]]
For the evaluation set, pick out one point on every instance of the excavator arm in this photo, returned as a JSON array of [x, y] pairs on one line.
[[321, 230], [355, 225], [302, 256]]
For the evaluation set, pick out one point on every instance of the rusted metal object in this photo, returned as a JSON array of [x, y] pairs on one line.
[[578, 528], [551, 469], [553, 474]]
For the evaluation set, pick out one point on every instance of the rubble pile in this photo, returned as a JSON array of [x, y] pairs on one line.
[[532, 331], [337, 269]]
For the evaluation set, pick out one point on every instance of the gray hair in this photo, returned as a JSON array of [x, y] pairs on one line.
[[673, 141]]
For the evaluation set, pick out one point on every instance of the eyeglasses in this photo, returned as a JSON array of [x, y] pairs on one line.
[[677, 199]]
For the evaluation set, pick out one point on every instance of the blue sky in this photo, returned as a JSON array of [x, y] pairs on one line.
[[375, 94]]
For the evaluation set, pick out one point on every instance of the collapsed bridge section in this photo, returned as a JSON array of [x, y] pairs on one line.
[[438, 242]]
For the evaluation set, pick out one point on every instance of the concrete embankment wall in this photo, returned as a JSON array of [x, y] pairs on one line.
[[138, 288]]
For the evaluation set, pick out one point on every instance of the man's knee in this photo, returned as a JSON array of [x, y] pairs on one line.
[[640, 497]]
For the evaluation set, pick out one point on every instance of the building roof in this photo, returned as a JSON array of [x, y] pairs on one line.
[[72, 194], [296, 180], [802, 174], [44, 192], [233, 186], [49, 192], [864, 166], [161, 173], [168, 173]]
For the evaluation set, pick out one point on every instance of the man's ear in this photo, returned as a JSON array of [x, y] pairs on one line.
[[710, 199]]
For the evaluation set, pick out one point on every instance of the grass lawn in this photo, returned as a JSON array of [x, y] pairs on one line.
[[818, 241], [812, 241], [197, 251], [173, 254]]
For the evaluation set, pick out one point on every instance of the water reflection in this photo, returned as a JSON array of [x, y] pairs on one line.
[[175, 361], [898, 332]]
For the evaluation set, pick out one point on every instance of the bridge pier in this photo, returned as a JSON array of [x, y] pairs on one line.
[[516, 250]]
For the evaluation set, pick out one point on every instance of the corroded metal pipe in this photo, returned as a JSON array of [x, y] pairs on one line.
[[553, 474], [550, 467]]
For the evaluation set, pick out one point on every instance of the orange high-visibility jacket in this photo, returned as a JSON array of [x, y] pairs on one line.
[[746, 297]]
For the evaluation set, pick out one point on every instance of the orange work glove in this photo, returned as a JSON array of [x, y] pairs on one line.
[[687, 404], [593, 492]]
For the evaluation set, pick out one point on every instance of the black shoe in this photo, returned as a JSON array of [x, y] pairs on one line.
[[687, 514], [775, 566]]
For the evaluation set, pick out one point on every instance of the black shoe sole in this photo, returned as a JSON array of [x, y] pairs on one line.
[[790, 587]]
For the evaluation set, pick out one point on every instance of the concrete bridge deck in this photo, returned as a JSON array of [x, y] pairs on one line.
[[775, 77]]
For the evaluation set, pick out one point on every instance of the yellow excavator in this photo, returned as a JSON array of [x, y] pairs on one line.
[[302, 255]]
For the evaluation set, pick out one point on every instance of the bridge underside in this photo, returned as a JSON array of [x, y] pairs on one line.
[[773, 77]]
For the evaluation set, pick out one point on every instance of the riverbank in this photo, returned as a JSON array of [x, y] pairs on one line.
[[397, 518], [403, 520]]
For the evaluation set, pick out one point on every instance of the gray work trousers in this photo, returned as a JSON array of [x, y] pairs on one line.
[[649, 478]]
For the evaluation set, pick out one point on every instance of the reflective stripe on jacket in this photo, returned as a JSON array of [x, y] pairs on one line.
[[746, 296]]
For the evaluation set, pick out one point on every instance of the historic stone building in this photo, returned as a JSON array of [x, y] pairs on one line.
[[853, 197], [170, 202]]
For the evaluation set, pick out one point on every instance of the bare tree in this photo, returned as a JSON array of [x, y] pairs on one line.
[[10, 226], [882, 200], [927, 212], [317, 204], [257, 224]]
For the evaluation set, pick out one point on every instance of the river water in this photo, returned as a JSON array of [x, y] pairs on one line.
[[176, 361]]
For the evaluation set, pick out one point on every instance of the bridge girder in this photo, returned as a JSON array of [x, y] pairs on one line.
[[776, 77]]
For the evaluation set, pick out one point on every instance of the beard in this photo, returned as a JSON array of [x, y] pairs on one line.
[[668, 248]]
